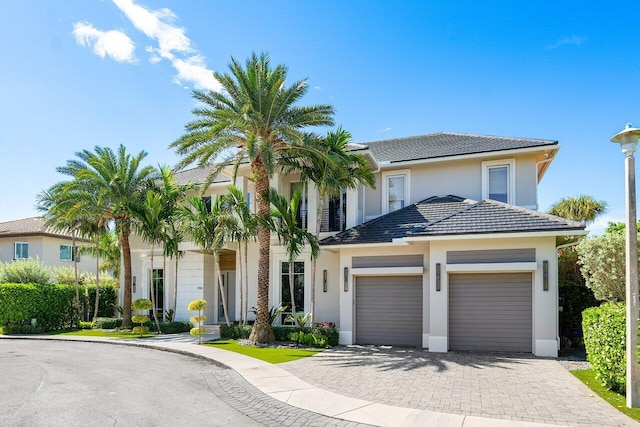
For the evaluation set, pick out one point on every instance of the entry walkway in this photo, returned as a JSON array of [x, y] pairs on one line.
[[407, 373]]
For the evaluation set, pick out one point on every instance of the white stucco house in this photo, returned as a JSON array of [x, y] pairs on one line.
[[448, 252], [31, 238]]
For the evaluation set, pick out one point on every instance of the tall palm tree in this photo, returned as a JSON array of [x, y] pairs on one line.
[[207, 230], [118, 182], [582, 208], [332, 173], [254, 119], [294, 237], [151, 227], [246, 230]]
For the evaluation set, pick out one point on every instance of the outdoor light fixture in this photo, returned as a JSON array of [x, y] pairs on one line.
[[346, 279], [438, 277], [628, 140], [133, 282], [545, 275], [324, 280]]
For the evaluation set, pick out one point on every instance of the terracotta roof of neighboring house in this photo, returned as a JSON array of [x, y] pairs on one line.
[[451, 215], [34, 226], [445, 144], [197, 175]]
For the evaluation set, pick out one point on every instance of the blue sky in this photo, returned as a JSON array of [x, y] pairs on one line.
[[80, 73]]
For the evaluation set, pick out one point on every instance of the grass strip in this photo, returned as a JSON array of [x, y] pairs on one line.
[[618, 401], [267, 354]]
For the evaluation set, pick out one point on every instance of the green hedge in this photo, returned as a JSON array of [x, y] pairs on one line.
[[281, 333], [575, 299], [107, 323], [107, 302], [604, 339], [50, 305]]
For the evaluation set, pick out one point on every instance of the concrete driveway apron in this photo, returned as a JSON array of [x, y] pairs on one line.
[[507, 386]]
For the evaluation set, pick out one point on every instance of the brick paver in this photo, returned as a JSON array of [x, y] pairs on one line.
[[496, 385]]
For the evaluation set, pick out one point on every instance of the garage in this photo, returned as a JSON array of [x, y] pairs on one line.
[[490, 312], [389, 310]]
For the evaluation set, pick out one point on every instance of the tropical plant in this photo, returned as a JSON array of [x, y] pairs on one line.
[[118, 182], [198, 330], [25, 271], [602, 261], [207, 230], [274, 312], [254, 118], [582, 208], [141, 305], [300, 319], [290, 234], [335, 171], [246, 229]]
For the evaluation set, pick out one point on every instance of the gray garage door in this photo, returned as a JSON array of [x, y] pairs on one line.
[[490, 312], [389, 310]]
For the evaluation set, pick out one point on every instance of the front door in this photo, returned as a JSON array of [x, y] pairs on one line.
[[157, 278], [228, 282]]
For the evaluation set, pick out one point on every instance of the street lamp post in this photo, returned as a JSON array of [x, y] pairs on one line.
[[628, 140]]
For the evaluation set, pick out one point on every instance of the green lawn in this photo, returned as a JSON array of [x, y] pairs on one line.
[[618, 401], [268, 354], [99, 333]]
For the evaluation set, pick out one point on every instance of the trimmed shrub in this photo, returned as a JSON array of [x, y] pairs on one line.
[[604, 339], [575, 299], [107, 302], [25, 271], [281, 333], [309, 340], [171, 327], [86, 325], [50, 305], [198, 331], [107, 323]]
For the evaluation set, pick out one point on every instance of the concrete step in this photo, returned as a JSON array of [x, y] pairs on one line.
[[212, 329]]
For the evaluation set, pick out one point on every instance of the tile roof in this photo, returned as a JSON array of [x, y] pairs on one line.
[[197, 175], [451, 215], [34, 226], [445, 144]]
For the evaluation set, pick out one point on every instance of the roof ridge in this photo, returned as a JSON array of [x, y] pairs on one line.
[[521, 138], [22, 219], [545, 215]]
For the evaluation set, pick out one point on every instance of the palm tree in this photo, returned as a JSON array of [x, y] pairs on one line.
[[151, 227], [332, 173], [118, 182], [254, 119], [207, 231], [582, 208], [291, 234], [246, 228]]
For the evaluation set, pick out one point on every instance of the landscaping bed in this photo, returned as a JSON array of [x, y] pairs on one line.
[[278, 352]]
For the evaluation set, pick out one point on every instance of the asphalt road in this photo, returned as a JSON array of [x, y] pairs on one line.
[[48, 383]]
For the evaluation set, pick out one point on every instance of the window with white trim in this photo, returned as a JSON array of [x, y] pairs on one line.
[[498, 180], [395, 190], [66, 253], [21, 250]]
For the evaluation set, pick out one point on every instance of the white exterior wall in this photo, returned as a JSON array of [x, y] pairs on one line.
[[545, 303]]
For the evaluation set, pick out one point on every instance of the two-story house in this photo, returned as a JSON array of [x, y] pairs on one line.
[[31, 238], [448, 252]]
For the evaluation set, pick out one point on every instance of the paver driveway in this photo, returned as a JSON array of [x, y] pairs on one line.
[[497, 385]]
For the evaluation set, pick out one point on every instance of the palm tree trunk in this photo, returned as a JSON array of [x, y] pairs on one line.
[[262, 332], [175, 288], [126, 260], [216, 257], [246, 282], [97, 301], [75, 267], [241, 277], [153, 294]]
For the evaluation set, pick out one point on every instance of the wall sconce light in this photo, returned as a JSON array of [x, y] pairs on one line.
[[324, 280], [346, 279], [438, 277], [133, 282], [545, 275]]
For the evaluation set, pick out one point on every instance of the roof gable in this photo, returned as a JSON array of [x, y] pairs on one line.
[[34, 226]]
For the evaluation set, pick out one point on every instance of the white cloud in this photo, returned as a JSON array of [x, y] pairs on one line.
[[173, 44], [115, 44], [573, 40], [387, 129]]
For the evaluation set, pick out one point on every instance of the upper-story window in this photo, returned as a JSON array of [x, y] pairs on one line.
[[498, 180], [303, 207], [21, 250], [66, 253], [395, 190], [334, 212]]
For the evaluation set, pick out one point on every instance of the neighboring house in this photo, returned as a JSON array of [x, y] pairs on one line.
[[447, 253], [31, 238]]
